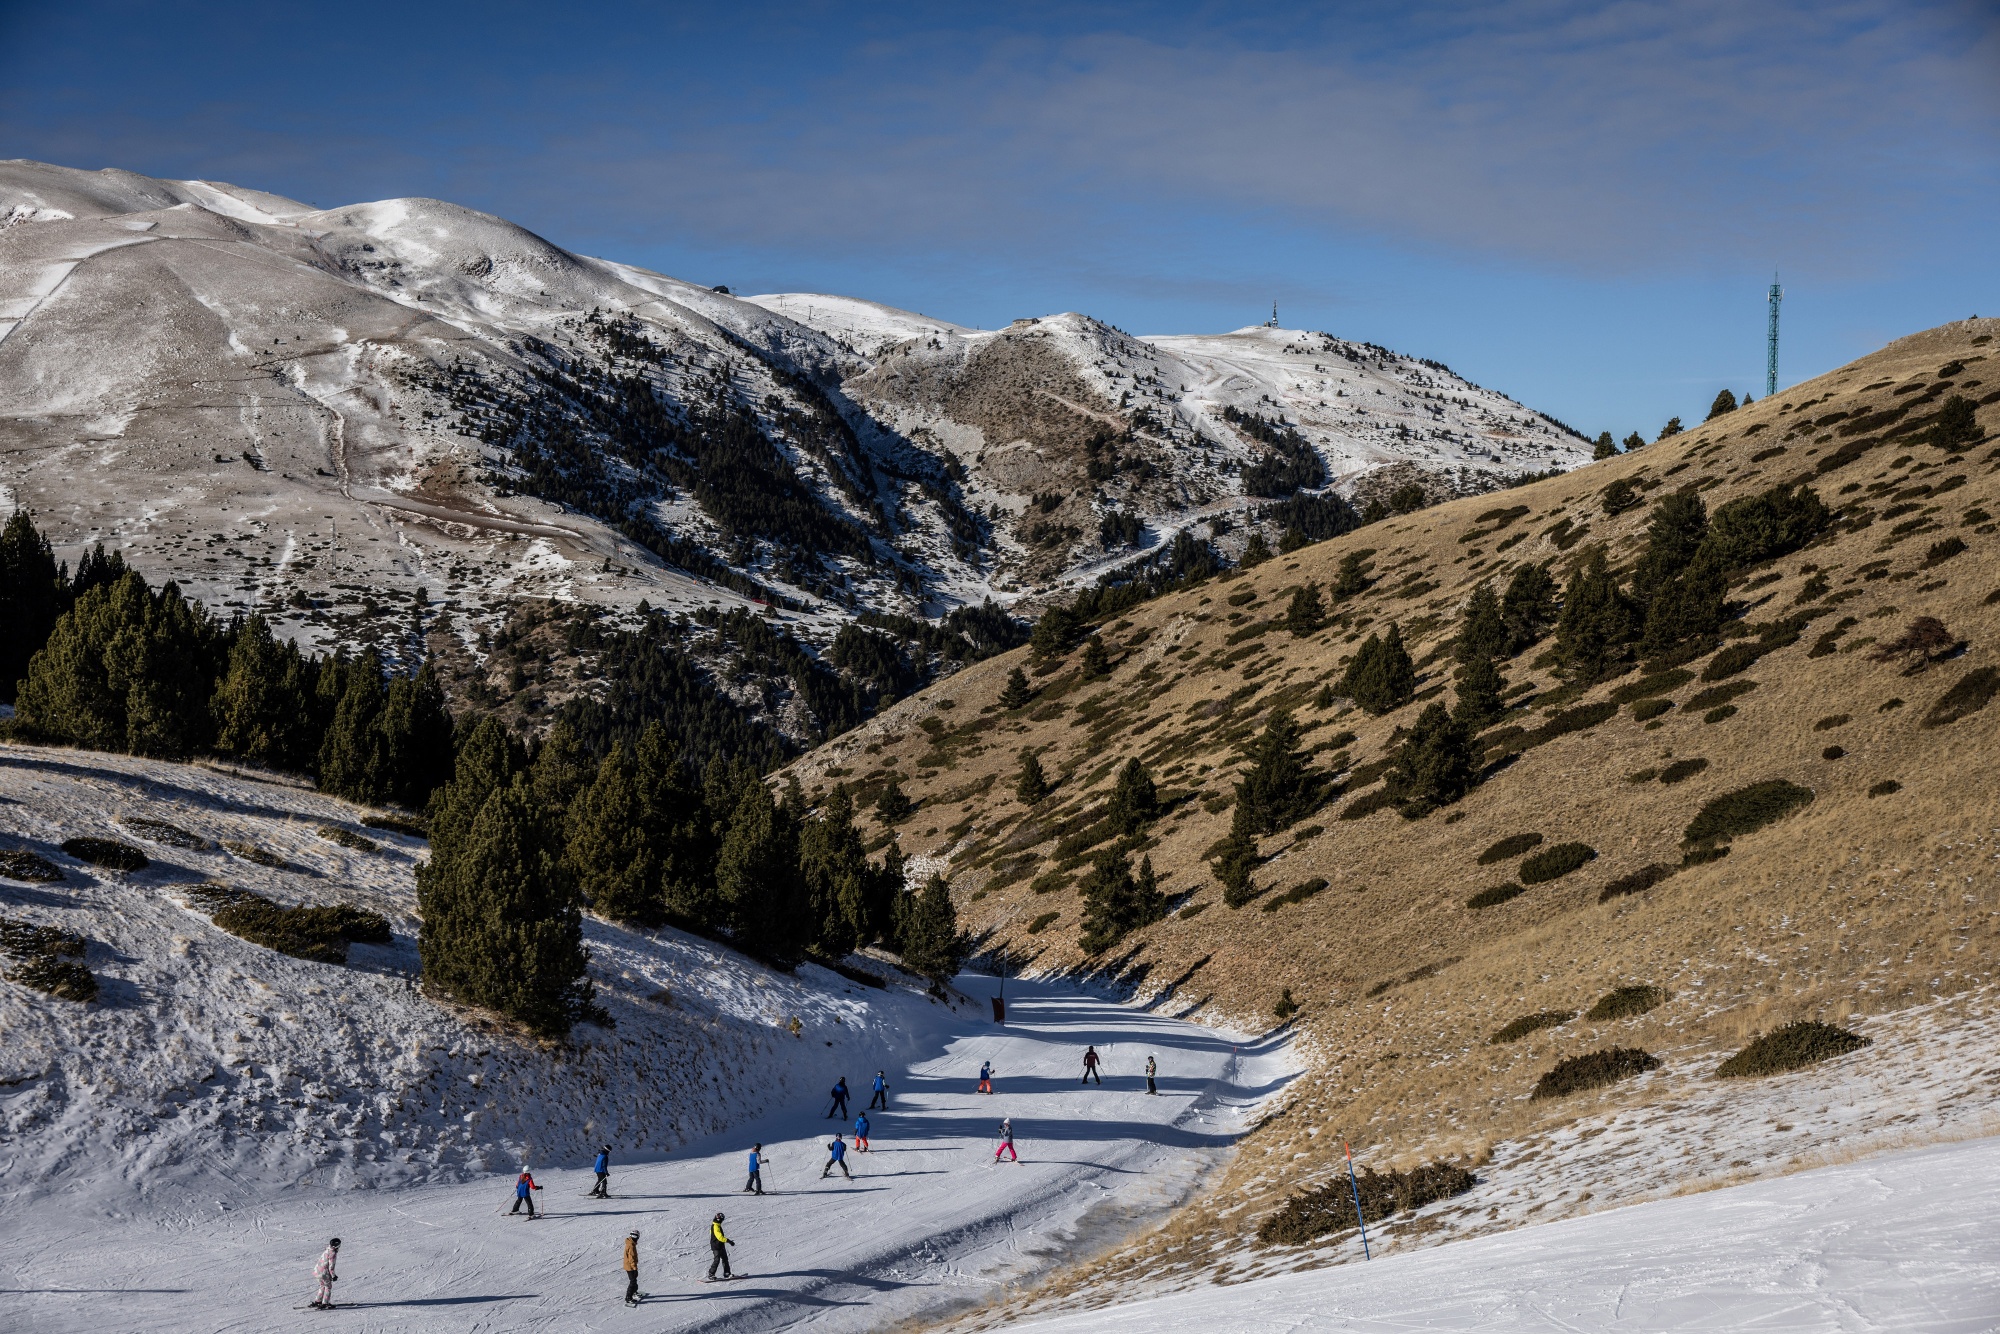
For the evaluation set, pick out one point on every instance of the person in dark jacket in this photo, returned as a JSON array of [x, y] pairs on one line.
[[836, 1156], [716, 1244], [1152, 1069], [602, 1190], [839, 1099], [1090, 1067], [881, 1098], [755, 1184]]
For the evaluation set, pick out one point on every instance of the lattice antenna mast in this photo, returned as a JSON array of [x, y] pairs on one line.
[[1771, 352]]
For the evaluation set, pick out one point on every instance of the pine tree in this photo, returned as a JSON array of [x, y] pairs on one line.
[[610, 846], [1031, 782], [1956, 427], [1480, 691], [1135, 802], [501, 924], [351, 759], [1276, 789], [893, 806], [1671, 429], [1096, 661], [757, 877], [1724, 402], [1350, 578], [1483, 633], [1634, 441], [1016, 693], [32, 594], [415, 730], [487, 759], [1690, 606], [1255, 552], [1381, 677], [561, 769], [1673, 535], [1307, 613], [1434, 765], [1292, 539], [932, 945], [1528, 608], [262, 706], [1114, 904], [1235, 859], [681, 825], [1605, 448], [1620, 496], [1598, 622], [838, 879]]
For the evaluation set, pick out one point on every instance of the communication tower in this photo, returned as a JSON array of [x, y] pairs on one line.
[[1272, 323]]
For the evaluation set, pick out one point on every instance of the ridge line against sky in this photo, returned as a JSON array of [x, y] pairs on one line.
[[1579, 205]]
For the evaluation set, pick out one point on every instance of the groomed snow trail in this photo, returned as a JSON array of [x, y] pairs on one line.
[[1903, 1242], [929, 1223]]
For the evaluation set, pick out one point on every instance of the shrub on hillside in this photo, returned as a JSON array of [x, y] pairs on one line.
[[1517, 1029], [1762, 527], [1368, 803], [159, 831], [1042, 923], [1638, 882], [1579, 719], [1973, 692], [106, 852], [48, 960], [1790, 1048], [1887, 787], [1730, 661], [1556, 862], [1298, 893], [1509, 848], [20, 864], [1923, 642], [1329, 1209], [250, 852], [1625, 1002], [320, 933], [1655, 683], [1495, 896], [1595, 1070], [1646, 710], [347, 838], [1682, 770], [1716, 696], [1746, 810], [407, 825]]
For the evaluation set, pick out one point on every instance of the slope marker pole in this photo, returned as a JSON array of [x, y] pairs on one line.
[[1355, 1186]]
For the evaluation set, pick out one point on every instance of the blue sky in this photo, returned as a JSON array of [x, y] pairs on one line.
[[1580, 205]]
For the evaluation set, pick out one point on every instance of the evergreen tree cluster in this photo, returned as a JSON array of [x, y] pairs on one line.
[[1291, 465], [1380, 677], [108, 663]]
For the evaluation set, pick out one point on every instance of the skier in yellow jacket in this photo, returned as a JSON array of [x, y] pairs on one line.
[[716, 1243]]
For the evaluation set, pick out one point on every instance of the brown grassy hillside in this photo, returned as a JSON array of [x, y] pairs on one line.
[[1879, 895]]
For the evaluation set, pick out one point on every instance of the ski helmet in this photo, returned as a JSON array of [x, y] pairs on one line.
[[634, 1233], [718, 1218], [335, 1243]]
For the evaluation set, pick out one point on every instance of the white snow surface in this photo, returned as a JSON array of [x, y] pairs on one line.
[[1902, 1242], [174, 1156]]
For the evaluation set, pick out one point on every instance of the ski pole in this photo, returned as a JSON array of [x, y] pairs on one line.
[[1356, 1187]]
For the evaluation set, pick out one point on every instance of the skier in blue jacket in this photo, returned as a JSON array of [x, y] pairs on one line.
[[602, 1190], [836, 1157], [881, 1098], [839, 1106], [861, 1133], [755, 1184]]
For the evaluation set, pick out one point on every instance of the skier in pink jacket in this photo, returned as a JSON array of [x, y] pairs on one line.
[[324, 1272]]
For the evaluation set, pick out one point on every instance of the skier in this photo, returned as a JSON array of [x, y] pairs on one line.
[[522, 1186], [836, 1156], [632, 1267], [717, 1255], [861, 1133], [881, 1098], [1152, 1068], [1090, 1067], [839, 1099], [756, 1182], [986, 1076], [1006, 1141], [323, 1271], [602, 1190]]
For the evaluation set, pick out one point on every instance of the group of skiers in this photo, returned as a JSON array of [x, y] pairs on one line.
[[718, 1242]]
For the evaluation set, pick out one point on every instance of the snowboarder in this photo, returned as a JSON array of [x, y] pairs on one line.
[[1152, 1069], [839, 1099], [755, 1184], [881, 1098], [1090, 1067], [522, 1186], [861, 1133], [632, 1267], [1006, 1141], [324, 1272], [836, 1156], [602, 1190], [986, 1076], [717, 1254]]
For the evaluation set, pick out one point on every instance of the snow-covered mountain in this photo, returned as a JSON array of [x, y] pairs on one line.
[[303, 410]]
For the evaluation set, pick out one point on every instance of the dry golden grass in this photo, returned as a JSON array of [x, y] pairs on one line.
[[1854, 905]]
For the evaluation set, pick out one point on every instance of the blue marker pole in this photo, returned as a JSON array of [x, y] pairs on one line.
[[1356, 1187]]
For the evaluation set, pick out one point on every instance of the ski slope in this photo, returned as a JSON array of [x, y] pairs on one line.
[[1902, 1242], [930, 1222]]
